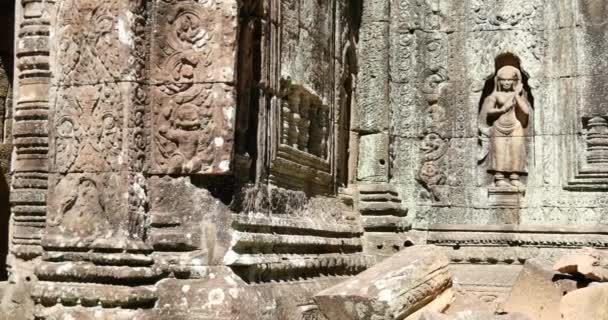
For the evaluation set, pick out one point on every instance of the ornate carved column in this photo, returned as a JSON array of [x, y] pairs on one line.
[[31, 141], [94, 250]]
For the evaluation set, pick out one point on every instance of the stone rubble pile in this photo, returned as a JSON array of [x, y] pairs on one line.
[[571, 290], [416, 284]]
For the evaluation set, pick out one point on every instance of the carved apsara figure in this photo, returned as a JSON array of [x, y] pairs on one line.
[[503, 119]]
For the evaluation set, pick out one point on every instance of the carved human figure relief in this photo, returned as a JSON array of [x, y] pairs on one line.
[[503, 120], [82, 213], [187, 127], [193, 99]]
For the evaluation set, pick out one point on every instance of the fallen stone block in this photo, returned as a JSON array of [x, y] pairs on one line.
[[392, 289], [586, 262], [586, 303], [538, 290]]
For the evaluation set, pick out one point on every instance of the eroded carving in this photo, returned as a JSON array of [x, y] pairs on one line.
[[83, 213], [95, 41], [492, 15], [86, 210]]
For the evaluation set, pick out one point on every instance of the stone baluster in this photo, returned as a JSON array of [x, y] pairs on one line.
[[304, 124], [285, 120], [294, 119], [324, 131], [314, 138]]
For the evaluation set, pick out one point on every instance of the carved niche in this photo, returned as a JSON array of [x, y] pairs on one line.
[[193, 60], [503, 122]]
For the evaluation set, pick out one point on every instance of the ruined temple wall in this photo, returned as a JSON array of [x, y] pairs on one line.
[[175, 158], [441, 57], [430, 62]]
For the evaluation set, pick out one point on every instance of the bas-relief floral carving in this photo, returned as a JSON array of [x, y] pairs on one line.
[[88, 134]]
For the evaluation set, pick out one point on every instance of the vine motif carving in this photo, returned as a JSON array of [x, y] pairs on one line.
[[433, 145], [139, 128]]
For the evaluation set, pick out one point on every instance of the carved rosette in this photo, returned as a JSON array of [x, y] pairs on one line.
[[193, 94]]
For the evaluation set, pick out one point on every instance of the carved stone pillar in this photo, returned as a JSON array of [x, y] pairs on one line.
[[94, 237], [31, 141]]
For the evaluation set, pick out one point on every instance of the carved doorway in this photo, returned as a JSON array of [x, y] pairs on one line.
[[7, 21]]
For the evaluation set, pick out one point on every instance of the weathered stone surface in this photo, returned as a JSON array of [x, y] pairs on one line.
[[484, 279], [392, 289], [439, 304], [264, 150], [538, 291], [472, 315], [219, 294], [586, 303], [373, 158]]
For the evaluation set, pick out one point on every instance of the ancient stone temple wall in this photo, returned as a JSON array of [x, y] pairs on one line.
[[227, 159], [176, 158], [429, 102]]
